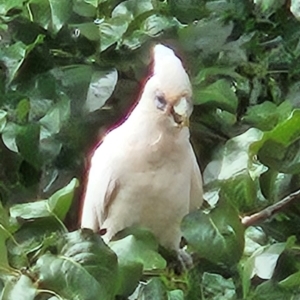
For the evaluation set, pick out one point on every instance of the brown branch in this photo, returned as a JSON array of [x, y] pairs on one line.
[[270, 210]]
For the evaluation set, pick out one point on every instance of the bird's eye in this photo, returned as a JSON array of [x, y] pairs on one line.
[[160, 102]]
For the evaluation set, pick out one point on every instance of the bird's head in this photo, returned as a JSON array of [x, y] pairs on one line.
[[169, 89]]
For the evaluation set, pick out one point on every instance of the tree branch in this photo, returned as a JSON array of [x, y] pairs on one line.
[[270, 210]]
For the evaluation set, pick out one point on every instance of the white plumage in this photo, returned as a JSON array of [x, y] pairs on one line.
[[145, 171]]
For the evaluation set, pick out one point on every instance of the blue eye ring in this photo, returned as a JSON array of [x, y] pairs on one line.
[[160, 102]]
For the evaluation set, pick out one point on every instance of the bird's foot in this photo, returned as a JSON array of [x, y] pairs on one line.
[[185, 259]]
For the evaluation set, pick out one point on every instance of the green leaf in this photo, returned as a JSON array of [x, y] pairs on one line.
[[131, 9], [22, 110], [188, 11], [19, 288], [60, 202], [235, 158], [9, 136], [291, 282], [27, 140], [53, 121], [14, 56], [135, 40], [4, 234], [74, 81], [207, 35], [217, 287], [89, 30], [265, 116], [136, 252], [139, 246], [60, 13], [155, 25], [278, 148], [284, 133], [6, 6], [84, 269], [271, 290], [262, 263], [154, 289], [101, 88], [217, 236], [242, 192], [31, 210], [176, 295], [84, 8], [280, 158], [57, 205], [219, 93], [211, 72], [3, 120], [95, 3], [268, 7], [50, 14], [111, 31]]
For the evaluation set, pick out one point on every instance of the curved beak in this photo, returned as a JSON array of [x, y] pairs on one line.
[[182, 112]]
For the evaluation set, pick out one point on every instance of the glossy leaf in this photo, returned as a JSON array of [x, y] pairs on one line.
[[2, 120], [57, 205], [219, 93], [101, 87], [19, 288], [217, 236], [136, 253], [50, 14], [215, 286], [112, 32], [84, 261]]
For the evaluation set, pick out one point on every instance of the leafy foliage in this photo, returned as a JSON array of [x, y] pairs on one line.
[[72, 69]]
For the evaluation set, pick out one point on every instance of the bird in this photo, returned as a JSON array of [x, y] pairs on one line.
[[145, 172]]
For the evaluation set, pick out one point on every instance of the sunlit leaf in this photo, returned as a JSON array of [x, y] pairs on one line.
[[19, 288], [131, 9], [235, 158], [57, 205], [9, 136], [262, 262], [3, 121], [101, 87]]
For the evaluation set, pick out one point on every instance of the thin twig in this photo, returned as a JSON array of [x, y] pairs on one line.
[[270, 210]]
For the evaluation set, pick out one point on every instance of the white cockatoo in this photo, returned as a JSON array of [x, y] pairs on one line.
[[145, 171]]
